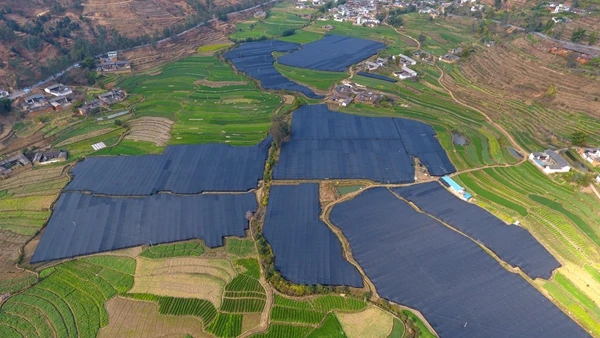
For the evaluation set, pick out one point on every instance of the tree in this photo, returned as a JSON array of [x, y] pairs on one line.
[[118, 122], [578, 34], [498, 4], [422, 38], [593, 38], [396, 21], [280, 128], [578, 138], [88, 63], [5, 106]]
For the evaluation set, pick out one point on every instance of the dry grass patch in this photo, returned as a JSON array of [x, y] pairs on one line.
[[151, 129], [218, 84], [372, 322], [133, 318], [183, 277], [250, 321]]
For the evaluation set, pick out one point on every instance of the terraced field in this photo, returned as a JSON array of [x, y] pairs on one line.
[[236, 114], [281, 17], [69, 299]]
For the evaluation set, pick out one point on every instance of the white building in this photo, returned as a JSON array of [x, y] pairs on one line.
[[405, 73], [405, 60], [550, 162], [590, 155], [58, 90]]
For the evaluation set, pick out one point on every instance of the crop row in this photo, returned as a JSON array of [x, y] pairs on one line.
[[201, 308], [242, 305], [173, 250], [226, 325], [69, 300]]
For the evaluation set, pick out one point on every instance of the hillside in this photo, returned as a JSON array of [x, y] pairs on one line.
[[40, 38]]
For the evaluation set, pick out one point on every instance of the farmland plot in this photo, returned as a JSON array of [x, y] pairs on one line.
[[69, 301], [306, 250], [142, 319], [140, 221], [238, 114], [150, 129], [255, 59], [183, 277], [428, 259]]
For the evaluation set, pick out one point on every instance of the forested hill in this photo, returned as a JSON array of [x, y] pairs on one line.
[[39, 38]]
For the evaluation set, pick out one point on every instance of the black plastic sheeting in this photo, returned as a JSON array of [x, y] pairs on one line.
[[84, 224], [255, 59], [377, 76], [332, 53], [331, 145], [512, 244], [461, 290], [185, 169], [306, 250]]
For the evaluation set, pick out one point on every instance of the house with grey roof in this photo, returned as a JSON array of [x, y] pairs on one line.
[[549, 162]]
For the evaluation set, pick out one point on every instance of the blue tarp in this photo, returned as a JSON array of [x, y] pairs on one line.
[[512, 244], [331, 145], [255, 59], [461, 290], [378, 77], [83, 224], [332, 53], [185, 169], [306, 250]]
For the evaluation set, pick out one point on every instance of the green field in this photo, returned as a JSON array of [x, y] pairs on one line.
[[173, 250], [281, 17], [238, 114], [69, 300], [312, 78]]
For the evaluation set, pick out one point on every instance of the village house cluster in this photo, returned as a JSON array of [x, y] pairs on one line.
[[54, 97], [102, 101], [348, 92], [18, 162]]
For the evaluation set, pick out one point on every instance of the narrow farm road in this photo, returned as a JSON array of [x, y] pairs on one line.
[[510, 138], [595, 190], [406, 35]]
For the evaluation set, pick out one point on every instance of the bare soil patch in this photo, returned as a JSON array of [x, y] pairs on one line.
[[183, 277], [150, 129], [218, 84], [288, 99], [250, 321], [133, 318], [372, 322]]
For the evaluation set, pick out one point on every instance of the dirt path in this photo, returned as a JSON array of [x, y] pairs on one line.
[[595, 190], [406, 35], [510, 138]]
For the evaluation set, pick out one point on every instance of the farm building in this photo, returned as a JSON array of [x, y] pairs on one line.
[[35, 103], [47, 157], [590, 155], [371, 65], [405, 60], [115, 95], [550, 162], [405, 73], [369, 97], [449, 58], [91, 107], [58, 90], [456, 188], [9, 164], [60, 102]]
